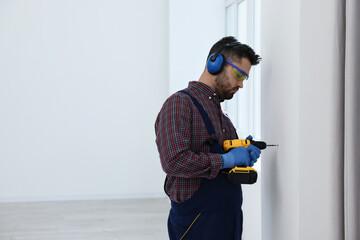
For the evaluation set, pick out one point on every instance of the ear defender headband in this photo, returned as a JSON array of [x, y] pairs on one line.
[[216, 61]]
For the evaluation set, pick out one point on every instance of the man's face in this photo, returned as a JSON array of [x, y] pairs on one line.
[[226, 85]]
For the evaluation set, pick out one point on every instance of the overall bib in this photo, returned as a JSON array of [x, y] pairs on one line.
[[214, 211]]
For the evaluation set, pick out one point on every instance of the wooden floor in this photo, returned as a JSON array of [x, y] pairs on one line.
[[133, 219]]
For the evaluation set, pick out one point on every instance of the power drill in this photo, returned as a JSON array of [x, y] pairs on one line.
[[238, 174]]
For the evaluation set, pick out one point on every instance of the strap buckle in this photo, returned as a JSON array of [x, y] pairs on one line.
[[211, 140]]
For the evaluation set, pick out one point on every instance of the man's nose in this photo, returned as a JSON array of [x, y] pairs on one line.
[[240, 84]]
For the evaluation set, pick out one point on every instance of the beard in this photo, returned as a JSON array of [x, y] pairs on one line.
[[223, 87]]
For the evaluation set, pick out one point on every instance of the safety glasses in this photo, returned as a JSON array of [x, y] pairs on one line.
[[238, 74]]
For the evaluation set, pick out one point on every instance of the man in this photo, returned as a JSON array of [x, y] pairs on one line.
[[190, 129]]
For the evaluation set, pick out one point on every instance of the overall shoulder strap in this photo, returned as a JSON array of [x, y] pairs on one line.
[[204, 115]]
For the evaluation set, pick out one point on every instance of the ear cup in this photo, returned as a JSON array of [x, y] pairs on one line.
[[215, 63]]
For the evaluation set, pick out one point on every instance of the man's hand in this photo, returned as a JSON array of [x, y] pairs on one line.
[[241, 156]]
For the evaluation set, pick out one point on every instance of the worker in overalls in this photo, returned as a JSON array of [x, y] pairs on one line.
[[190, 129]]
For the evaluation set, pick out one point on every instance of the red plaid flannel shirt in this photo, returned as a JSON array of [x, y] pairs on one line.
[[181, 135]]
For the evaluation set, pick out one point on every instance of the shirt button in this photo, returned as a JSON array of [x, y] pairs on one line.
[[209, 97], [214, 94], [224, 130]]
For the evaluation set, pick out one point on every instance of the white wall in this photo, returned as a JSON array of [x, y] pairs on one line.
[[321, 120], [280, 119], [81, 85], [299, 106], [194, 27]]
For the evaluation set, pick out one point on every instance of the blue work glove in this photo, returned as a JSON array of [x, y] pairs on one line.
[[241, 156], [249, 137], [236, 157], [256, 151]]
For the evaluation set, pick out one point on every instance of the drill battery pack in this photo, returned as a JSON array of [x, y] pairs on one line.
[[242, 175]]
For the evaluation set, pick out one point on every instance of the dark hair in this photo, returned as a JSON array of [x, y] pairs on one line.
[[235, 52]]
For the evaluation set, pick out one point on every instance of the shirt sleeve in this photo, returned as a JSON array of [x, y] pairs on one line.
[[173, 138]]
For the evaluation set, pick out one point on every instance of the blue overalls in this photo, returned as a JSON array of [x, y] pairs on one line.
[[214, 212]]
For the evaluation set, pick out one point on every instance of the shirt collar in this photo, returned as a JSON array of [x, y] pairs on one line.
[[205, 90]]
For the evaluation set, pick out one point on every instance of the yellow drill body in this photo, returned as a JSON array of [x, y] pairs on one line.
[[228, 144]]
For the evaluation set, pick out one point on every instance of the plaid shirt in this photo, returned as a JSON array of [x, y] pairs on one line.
[[181, 135]]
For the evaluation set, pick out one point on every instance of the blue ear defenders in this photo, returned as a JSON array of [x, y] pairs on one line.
[[216, 61]]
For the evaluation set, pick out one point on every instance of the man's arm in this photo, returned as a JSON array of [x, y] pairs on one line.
[[173, 137]]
